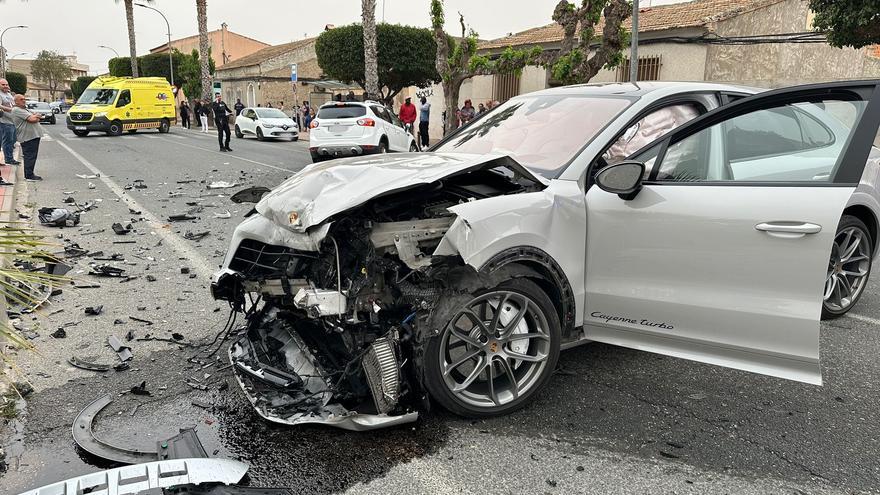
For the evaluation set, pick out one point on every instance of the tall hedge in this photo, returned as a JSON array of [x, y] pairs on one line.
[[17, 82]]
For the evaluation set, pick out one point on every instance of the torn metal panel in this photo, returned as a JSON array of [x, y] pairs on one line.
[[320, 302], [321, 190], [156, 475], [85, 437]]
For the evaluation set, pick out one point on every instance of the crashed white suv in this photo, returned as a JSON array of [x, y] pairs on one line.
[[558, 218], [353, 128]]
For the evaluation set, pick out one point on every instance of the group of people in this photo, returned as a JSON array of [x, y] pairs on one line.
[[468, 113], [200, 110], [18, 124], [407, 114], [218, 110]]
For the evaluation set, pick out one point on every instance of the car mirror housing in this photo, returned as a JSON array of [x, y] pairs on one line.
[[623, 179]]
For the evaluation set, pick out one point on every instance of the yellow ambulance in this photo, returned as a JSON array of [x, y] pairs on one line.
[[123, 104]]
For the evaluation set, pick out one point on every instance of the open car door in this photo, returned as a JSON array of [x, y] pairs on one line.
[[722, 255]]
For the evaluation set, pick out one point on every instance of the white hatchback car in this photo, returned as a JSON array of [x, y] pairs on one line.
[[265, 123], [352, 128]]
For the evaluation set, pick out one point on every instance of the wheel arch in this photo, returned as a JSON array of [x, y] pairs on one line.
[[866, 215], [546, 273]]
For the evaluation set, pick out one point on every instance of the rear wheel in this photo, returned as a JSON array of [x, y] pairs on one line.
[[53, 121], [115, 128], [316, 157], [260, 134], [383, 147], [81, 133], [498, 350], [238, 133], [848, 268], [164, 126], [413, 148]]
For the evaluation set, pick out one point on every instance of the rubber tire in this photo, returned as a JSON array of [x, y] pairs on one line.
[[132, 131], [81, 133], [382, 148], [238, 133], [413, 148], [53, 121], [295, 138], [115, 128], [164, 126], [316, 157], [433, 375], [260, 136], [845, 222]]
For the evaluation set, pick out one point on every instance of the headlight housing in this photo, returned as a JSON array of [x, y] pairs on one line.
[[268, 126], [100, 114]]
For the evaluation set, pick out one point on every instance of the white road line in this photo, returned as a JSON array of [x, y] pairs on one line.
[[200, 264], [68, 136], [866, 319], [48, 137], [177, 136], [150, 136], [231, 155]]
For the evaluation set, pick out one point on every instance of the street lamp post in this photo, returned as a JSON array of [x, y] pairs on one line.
[[110, 48], [3, 51], [170, 59]]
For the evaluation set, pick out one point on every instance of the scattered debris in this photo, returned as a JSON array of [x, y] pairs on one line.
[[221, 184], [223, 215], [139, 184], [58, 217], [180, 218], [124, 242], [249, 195], [184, 270], [92, 232], [92, 185], [177, 336], [86, 365], [202, 404], [59, 334], [121, 366], [151, 278], [87, 286], [134, 212], [120, 230], [84, 176], [195, 236], [69, 200], [140, 389], [94, 310], [106, 270], [140, 320], [122, 350]]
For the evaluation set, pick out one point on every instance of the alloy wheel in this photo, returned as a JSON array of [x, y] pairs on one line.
[[848, 269], [495, 349]]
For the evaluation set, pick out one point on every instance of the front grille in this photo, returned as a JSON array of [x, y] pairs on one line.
[[80, 116], [258, 259]]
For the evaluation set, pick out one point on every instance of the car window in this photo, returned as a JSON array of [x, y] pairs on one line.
[[97, 96], [341, 111], [124, 98], [650, 128], [251, 114], [381, 112], [395, 119], [271, 113], [798, 142], [541, 132]]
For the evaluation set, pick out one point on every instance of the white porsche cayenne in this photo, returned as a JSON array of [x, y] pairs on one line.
[[695, 220]]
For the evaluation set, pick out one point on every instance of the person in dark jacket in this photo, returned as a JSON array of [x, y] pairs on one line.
[[239, 106], [221, 121], [184, 114]]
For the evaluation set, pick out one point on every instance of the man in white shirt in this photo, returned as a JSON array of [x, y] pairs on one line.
[[7, 127], [28, 132]]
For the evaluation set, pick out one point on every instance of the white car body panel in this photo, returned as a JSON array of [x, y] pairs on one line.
[[249, 126]]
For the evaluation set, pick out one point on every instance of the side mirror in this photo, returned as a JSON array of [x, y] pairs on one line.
[[623, 179]]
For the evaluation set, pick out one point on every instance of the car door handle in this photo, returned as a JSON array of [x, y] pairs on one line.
[[789, 227]]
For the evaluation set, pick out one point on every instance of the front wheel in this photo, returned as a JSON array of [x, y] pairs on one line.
[[496, 352], [164, 126], [848, 268], [413, 148], [260, 134], [115, 128], [238, 133]]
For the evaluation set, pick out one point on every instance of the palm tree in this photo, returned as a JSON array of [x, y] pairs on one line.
[[371, 71], [207, 81], [132, 49]]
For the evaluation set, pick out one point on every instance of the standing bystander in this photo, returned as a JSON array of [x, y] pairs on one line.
[[7, 127], [28, 132], [221, 120], [407, 115], [424, 118], [184, 114], [239, 106]]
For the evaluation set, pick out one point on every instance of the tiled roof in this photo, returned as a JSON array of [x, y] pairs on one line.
[[265, 54], [660, 18]]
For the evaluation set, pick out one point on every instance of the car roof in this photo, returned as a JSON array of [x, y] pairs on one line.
[[656, 89]]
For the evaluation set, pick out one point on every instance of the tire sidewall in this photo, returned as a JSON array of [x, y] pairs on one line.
[[164, 126], [238, 132], [260, 135], [846, 222], [115, 128], [433, 377]]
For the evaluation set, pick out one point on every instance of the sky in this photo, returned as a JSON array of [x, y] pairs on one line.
[[79, 26]]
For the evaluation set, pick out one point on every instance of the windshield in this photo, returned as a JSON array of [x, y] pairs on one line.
[[341, 111], [542, 133], [98, 96], [39, 105], [270, 113]]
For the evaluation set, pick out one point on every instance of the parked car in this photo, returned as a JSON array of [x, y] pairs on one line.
[[265, 123], [695, 220], [47, 116], [354, 128]]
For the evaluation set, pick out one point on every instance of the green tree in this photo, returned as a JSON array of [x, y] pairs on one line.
[[17, 82], [52, 69], [80, 85], [189, 71], [854, 23], [405, 56], [581, 55]]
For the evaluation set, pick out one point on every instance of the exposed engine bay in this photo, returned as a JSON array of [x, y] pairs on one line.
[[334, 335]]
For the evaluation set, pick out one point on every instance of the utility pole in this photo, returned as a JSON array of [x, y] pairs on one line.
[[634, 45], [170, 58], [3, 50]]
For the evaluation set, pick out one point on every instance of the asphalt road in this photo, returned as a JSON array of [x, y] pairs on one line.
[[611, 421]]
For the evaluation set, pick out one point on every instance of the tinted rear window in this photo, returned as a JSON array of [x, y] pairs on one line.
[[341, 112]]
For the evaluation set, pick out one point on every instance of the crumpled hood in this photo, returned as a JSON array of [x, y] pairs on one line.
[[323, 189]]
